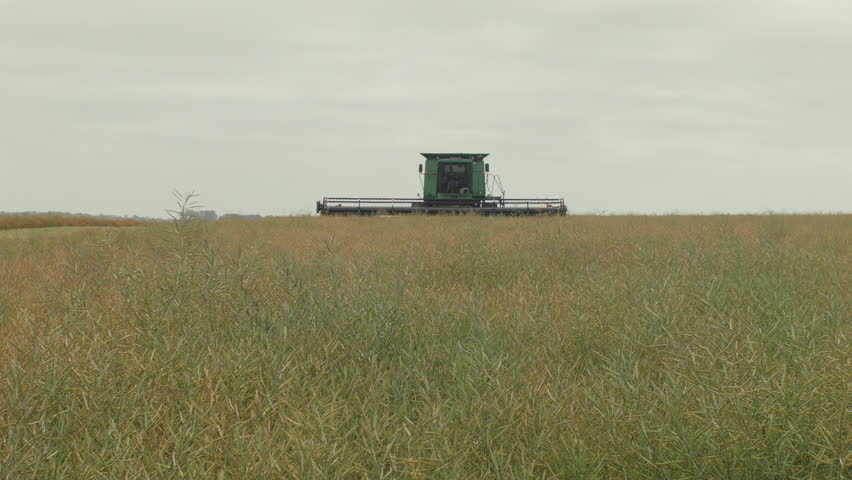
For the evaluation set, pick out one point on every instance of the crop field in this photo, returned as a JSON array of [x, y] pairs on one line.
[[711, 347]]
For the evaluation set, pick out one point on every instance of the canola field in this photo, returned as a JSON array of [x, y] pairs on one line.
[[702, 347]]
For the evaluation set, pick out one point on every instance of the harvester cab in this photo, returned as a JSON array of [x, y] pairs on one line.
[[458, 176], [453, 183]]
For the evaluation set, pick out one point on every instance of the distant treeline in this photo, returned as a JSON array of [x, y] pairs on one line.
[[10, 221], [70, 214]]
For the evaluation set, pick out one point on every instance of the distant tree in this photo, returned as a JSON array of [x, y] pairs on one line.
[[232, 216], [205, 215]]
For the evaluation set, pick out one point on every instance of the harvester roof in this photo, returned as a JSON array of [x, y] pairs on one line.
[[454, 156]]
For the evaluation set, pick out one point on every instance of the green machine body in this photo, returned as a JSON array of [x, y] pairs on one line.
[[454, 176]]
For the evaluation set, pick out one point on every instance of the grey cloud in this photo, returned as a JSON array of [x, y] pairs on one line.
[[652, 106]]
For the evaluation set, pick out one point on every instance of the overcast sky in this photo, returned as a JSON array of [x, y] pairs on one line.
[[653, 106]]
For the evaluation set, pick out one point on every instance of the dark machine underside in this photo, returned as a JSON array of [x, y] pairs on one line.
[[399, 206]]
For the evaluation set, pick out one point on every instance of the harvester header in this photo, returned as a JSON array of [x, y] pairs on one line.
[[453, 183]]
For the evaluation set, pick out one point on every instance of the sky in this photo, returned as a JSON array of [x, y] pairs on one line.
[[261, 106]]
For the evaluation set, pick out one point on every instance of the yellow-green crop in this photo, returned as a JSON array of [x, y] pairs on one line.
[[440, 347]]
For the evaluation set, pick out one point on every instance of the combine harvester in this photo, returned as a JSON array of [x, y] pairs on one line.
[[453, 183]]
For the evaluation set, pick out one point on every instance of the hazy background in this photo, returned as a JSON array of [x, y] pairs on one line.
[[652, 106]]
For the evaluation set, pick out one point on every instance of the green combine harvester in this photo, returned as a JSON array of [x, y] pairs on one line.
[[453, 183]]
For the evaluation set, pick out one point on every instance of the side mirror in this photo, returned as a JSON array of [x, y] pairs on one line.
[[486, 168], [421, 168]]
